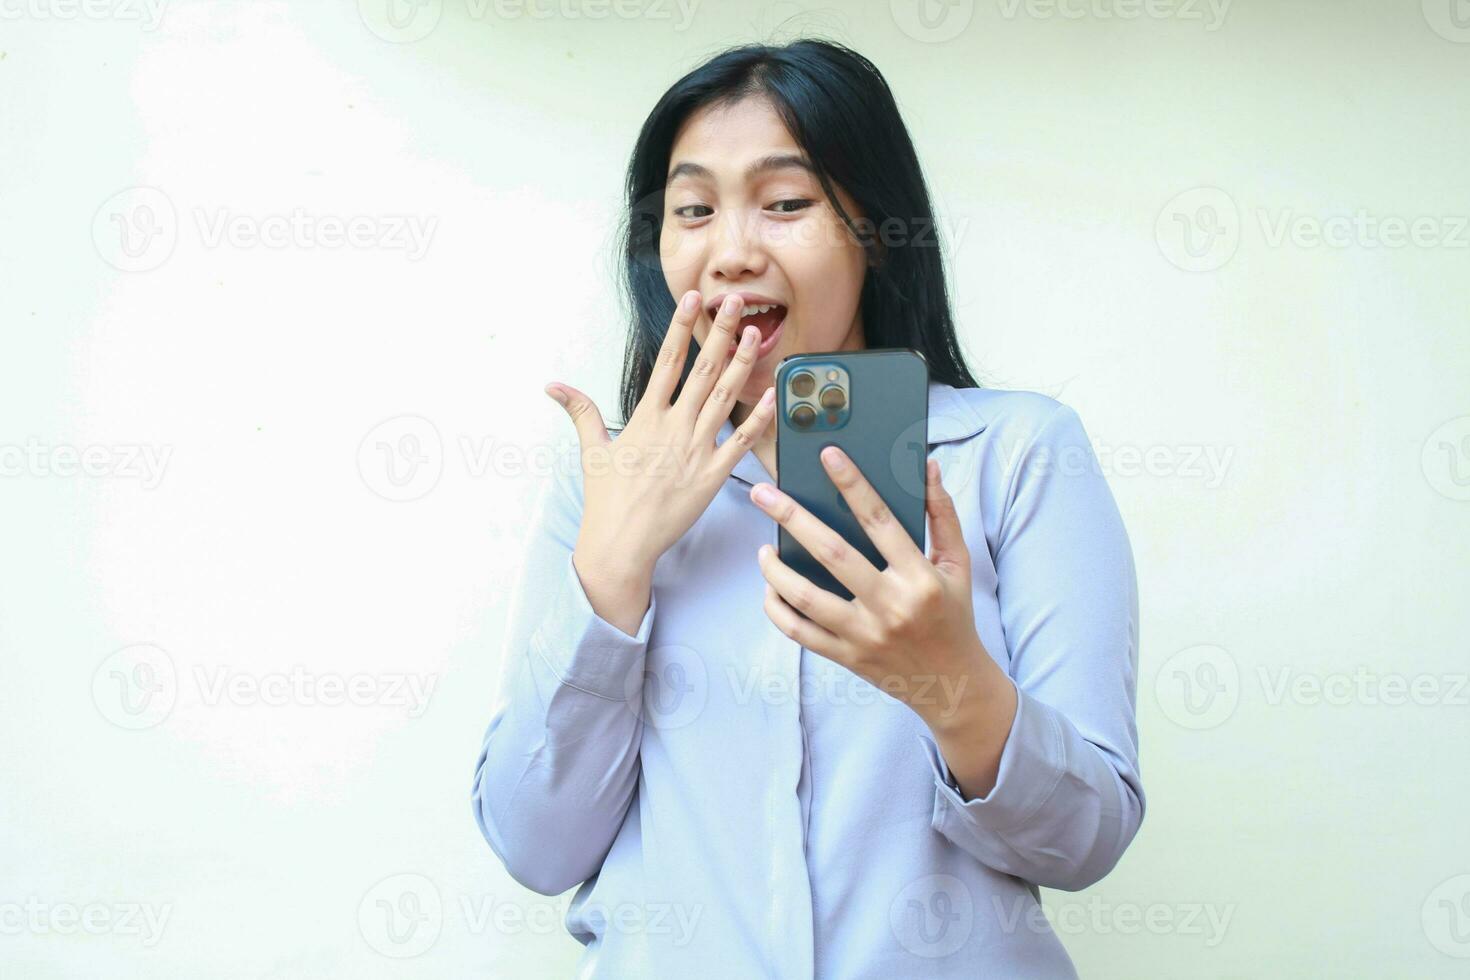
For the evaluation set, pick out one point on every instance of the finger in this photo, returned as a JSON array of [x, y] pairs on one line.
[[828, 611], [585, 417], [722, 397], [947, 548], [871, 510], [746, 433], [804, 631], [848, 565], [712, 354], [668, 365]]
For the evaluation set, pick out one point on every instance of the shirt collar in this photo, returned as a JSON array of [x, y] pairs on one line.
[[951, 418]]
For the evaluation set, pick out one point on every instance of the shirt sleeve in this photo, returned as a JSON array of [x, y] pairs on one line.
[[558, 766], [1068, 799]]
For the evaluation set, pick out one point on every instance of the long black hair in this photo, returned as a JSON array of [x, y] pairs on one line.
[[838, 109]]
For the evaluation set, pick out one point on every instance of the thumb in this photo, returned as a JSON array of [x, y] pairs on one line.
[[585, 417], [947, 548]]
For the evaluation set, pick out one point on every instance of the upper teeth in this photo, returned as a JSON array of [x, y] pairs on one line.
[[752, 310]]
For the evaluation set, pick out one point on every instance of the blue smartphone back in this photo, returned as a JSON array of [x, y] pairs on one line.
[[884, 430]]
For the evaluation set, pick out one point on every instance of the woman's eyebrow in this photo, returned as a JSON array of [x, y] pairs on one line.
[[766, 164]]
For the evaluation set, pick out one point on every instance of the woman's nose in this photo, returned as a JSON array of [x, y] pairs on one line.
[[737, 251]]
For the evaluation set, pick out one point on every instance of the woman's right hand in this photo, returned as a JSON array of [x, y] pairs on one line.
[[644, 490]]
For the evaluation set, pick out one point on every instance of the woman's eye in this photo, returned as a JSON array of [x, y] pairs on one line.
[[788, 206]]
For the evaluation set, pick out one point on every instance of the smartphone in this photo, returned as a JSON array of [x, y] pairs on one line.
[[874, 406]]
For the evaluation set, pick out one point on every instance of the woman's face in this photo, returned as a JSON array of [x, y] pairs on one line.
[[768, 233]]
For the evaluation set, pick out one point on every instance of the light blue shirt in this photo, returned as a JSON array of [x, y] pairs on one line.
[[734, 805]]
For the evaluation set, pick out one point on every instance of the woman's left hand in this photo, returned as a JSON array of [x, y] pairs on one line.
[[909, 629]]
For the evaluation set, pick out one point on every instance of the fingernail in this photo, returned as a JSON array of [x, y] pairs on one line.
[[747, 339], [834, 458], [556, 393], [731, 304], [763, 494], [768, 396], [691, 299]]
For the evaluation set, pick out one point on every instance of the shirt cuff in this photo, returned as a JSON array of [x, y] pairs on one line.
[[584, 650], [1031, 766]]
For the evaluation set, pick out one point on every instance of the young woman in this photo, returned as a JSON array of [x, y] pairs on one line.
[[746, 775]]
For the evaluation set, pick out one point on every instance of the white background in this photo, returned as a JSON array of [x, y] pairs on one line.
[[307, 462]]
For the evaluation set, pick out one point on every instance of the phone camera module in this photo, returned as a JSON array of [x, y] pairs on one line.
[[816, 396]]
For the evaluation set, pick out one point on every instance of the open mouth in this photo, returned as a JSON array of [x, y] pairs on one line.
[[768, 320]]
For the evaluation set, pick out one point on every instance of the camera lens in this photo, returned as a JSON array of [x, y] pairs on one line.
[[803, 416], [833, 398], [802, 384]]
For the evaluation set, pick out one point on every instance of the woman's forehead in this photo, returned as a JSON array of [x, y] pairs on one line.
[[723, 138]]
